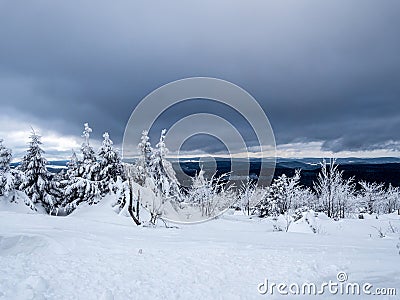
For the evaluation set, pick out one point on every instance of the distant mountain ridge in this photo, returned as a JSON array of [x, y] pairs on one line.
[[379, 169]]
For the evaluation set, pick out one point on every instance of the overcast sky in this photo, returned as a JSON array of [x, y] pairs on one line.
[[326, 73]]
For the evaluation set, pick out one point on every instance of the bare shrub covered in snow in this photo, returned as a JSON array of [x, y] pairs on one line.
[[333, 191], [371, 196], [209, 195], [391, 202], [249, 195]]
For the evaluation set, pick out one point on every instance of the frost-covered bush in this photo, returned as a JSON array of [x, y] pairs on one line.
[[249, 196], [370, 197], [209, 195], [334, 192]]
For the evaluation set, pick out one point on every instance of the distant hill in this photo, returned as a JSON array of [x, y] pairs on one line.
[[381, 169], [385, 170], [54, 166]]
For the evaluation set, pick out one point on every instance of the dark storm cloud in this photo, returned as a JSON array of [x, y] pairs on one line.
[[322, 71]]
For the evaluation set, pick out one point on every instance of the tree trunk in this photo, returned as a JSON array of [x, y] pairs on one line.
[[153, 218], [130, 206], [137, 206]]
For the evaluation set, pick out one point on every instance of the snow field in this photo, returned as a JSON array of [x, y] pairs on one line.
[[96, 254]]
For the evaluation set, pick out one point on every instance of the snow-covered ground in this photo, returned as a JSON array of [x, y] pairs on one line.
[[96, 254]]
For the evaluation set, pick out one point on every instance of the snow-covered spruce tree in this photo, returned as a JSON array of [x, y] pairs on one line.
[[72, 166], [7, 180], [139, 173], [280, 196], [89, 168], [83, 176], [202, 193], [333, 191], [141, 169], [128, 195], [162, 174], [160, 178], [110, 165], [10, 179], [70, 179], [266, 207], [5, 157], [38, 183], [81, 190]]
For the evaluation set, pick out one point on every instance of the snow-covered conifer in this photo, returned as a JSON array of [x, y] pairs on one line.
[[89, 168], [162, 174], [280, 196], [202, 193], [88, 153], [141, 169], [110, 162], [72, 166], [7, 179], [81, 190], [38, 183], [83, 176]]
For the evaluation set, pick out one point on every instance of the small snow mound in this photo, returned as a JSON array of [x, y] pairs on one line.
[[37, 283], [323, 216], [370, 216], [17, 203], [107, 295], [310, 222], [33, 287], [239, 213], [98, 210], [20, 244]]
